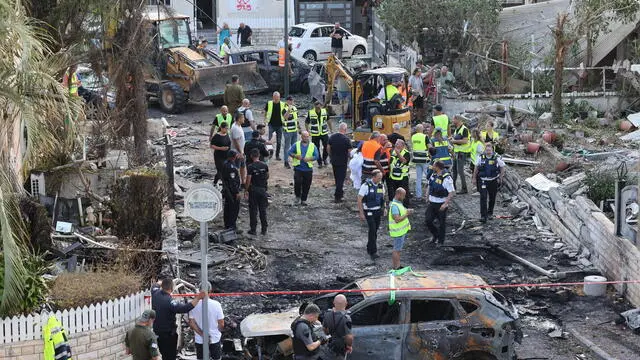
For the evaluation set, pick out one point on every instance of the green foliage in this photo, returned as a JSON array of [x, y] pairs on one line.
[[444, 21], [601, 184], [36, 286]]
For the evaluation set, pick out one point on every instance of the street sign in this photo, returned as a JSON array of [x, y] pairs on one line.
[[203, 202]]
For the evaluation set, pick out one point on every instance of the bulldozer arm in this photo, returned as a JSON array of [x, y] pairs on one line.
[[209, 83]]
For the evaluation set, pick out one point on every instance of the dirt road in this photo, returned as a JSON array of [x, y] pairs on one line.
[[322, 246]]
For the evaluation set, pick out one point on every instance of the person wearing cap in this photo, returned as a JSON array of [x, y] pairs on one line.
[[462, 151], [231, 186], [166, 309], [257, 179], [140, 341], [290, 127], [319, 127], [440, 120], [259, 145], [215, 316], [441, 192], [303, 154], [442, 148]]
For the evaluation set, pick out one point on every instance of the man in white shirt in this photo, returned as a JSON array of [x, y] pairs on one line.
[[237, 144], [249, 123], [441, 192], [216, 325]]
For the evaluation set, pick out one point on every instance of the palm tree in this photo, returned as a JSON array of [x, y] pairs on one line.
[[33, 109]]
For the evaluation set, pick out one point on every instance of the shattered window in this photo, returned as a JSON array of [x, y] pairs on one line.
[[468, 307], [432, 310], [377, 314]]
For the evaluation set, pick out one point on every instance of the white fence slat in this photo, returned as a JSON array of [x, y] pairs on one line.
[[110, 313], [103, 314], [30, 328], [121, 316], [6, 331], [43, 320], [71, 316], [127, 306], [92, 317], [78, 312], [64, 319], [15, 331], [22, 326], [85, 318]]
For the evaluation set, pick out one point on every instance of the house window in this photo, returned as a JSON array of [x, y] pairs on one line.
[[432, 310]]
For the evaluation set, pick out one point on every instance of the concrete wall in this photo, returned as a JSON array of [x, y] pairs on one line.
[[103, 344], [581, 224]]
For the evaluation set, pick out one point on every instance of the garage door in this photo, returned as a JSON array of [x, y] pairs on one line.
[[326, 12]]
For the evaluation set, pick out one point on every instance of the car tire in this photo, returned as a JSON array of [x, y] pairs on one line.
[[310, 55], [172, 98], [359, 50]]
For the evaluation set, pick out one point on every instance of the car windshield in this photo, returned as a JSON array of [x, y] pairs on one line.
[[296, 31], [174, 33], [90, 80]]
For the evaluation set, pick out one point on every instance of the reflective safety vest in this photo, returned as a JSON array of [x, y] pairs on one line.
[[375, 196], [226, 119], [457, 135], [486, 138], [222, 52], [403, 92], [398, 229], [71, 82], [310, 150], [369, 150], [56, 346], [291, 125], [441, 121], [299, 348], [488, 169], [419, 146], [385, 158], [399, 170], [442, 152], [474, 151], [281, 56], [318, 126], [270, 110], [436, 185], [389, 91]]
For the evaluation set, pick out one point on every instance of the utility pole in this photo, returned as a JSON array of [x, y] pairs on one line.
[[286, 49]]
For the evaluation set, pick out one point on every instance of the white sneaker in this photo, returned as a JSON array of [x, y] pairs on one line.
[[476, 194]]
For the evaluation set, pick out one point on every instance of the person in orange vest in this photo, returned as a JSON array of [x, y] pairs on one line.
[[403, 92], [371, 152]]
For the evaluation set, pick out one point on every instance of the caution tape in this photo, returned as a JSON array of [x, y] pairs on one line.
[[440, 288]]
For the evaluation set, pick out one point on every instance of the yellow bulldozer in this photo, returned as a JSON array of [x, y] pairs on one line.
[[182, 73], [368, 114]]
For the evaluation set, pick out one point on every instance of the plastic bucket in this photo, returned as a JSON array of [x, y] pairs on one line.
[[595, 289]]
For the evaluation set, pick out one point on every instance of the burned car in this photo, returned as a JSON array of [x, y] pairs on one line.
[[467, 321]]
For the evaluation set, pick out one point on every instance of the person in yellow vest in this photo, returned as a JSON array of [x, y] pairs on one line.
[[56, 346], [399, 170], [290, 126], [70, 80], [440, 120], [477, 148], [489, 135], [461, 141], [319, 126], [223, 117], [389, 95], [419, 145], [399, 225], [303, 154], [225, 49]]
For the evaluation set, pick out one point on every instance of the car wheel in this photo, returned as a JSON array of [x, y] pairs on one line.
[[359, 50], [172, 98], [310, 55]]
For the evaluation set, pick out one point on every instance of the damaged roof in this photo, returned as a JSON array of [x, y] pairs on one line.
[[426, 279], [520, 23]]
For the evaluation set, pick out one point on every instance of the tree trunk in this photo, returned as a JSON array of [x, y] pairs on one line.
[[561, 45]]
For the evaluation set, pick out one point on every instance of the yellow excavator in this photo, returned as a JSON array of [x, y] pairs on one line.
[[368, 114]]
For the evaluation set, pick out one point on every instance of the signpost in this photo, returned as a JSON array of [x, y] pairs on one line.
[[203, 203]]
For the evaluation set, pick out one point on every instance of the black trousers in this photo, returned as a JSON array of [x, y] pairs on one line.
[[373, 222], [219, 167], [215, 351], [459, 160], [324, 155], [231, 210], [490, 188], [433, 212], [393, 185], [302, 183], [258, 204], [168, 345], [339, 174]]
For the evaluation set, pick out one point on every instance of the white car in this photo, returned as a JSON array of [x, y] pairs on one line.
[[312, 41]]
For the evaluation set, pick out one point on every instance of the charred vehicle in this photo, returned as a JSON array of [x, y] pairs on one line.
[[467, 321]]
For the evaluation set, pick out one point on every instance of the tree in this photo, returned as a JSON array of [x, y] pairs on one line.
[[443, 26], [33, 99]]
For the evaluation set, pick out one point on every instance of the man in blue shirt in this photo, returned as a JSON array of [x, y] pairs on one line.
[[303, 154]]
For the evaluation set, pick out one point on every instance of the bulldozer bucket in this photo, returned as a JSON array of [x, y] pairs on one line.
[[210, 82]]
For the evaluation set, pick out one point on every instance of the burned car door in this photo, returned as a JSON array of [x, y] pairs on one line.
[[435, 332], [378, 330], [275, 72]]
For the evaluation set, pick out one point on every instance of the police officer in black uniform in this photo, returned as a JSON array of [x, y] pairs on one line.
[[371, 206], [337, 323], [306, 341], [258, 144], [166, 309], [231, 186], [257, 179]]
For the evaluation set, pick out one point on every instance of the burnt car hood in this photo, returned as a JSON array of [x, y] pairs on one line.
[[257, 325]]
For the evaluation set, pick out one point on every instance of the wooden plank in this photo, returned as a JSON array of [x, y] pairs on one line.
[[519, 161], [110, 314], [15, 329], [78, 312], [85, 318], [30, 327]]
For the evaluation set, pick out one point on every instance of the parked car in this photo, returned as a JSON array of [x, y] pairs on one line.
[[312, 41], [459, 324], [95, 90], [267, 59]]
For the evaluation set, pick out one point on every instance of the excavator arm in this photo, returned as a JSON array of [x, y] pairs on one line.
[[335, 68]]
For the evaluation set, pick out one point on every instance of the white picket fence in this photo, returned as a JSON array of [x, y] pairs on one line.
[[86, 318]]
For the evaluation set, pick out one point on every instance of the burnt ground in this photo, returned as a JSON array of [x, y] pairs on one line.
[[322, 246]]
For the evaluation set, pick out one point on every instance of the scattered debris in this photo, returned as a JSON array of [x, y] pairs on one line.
[[632, 319], [541, 183]]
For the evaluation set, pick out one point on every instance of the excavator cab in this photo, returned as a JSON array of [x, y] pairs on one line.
[[370, 113]]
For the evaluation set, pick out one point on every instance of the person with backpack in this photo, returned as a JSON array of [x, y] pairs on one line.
[[337, 323]]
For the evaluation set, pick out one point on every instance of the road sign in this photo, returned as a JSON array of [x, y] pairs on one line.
[[203, 202]]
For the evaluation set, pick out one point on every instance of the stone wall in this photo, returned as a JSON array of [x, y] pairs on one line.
[[104, 344], [267, 36], [582, 225]]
